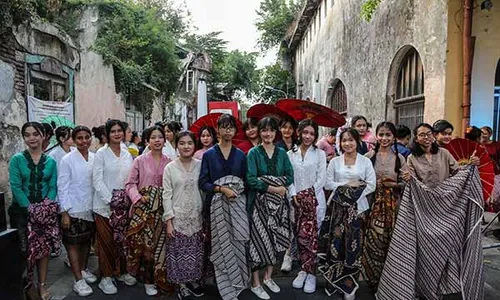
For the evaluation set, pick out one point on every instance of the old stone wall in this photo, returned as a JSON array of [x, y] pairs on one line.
[[360, 54], [12, 105]]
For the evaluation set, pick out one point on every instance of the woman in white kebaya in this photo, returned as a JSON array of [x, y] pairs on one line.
[[309, 169]]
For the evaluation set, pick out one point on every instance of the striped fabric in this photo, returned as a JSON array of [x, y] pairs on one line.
[[230, 233], [270, 227], [436, 244]]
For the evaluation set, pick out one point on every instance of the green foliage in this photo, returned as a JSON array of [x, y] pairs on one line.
[[14, 12], [238, 72], [276, 77], [274, 19], [368, 9]]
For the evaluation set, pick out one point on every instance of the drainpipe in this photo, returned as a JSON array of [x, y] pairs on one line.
[[467, 64]]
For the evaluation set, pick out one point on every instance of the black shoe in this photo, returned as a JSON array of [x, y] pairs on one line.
[[195, 291], [185, 294]]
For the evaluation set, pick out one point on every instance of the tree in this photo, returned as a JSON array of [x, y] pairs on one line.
[[274, 76], [238, 72], [274, 19], [368, 9]]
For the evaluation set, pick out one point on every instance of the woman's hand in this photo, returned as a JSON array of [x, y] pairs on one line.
[[296, 202], [474, 159], [229, 193], [281, 190], [170, 229], [144, 199], [405, 175], [66, 220]]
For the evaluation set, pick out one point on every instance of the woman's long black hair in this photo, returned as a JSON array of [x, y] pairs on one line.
[[392, 128]]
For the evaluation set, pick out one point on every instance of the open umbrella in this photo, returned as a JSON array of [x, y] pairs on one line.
[[462, 150], [301, 109], [58, 121], [261, 110], [211, 120]]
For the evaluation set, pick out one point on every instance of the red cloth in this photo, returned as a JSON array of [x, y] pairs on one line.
[[245, 146], [494, 152]]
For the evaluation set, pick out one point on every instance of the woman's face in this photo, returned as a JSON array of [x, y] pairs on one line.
[[128, 135], [361, 127], [308, 136], [104, 139], [206, 139], [424, 137], [251, 132], [348, 143], [83, 140], [137, 140], [286, 130], [267, 135], [227, 133], [444, 138], [69, 142], [185, 146], [156, 140], [32, 138], [385, 137], [485, 135], [116, 134], [170, 134]]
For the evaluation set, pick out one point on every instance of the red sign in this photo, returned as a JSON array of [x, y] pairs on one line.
[[225, 107]]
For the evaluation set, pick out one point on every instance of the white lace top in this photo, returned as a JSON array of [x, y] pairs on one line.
[[182, 201]]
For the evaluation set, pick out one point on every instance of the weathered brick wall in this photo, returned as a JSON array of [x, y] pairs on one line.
[[8, 48]]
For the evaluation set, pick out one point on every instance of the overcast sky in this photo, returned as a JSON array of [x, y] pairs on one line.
[[235, 18]]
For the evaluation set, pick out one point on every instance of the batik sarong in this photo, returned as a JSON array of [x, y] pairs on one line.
[[119, 218], [342, 228], [270, 226], [146, 238], [185, 257], [436, 247], [43, 232], [79, 232], [307, 229], [378, 232], [493, 203], [230, 233]]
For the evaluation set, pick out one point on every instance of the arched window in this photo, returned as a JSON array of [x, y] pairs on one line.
[[336, 96], [496, 108], [406, 87]]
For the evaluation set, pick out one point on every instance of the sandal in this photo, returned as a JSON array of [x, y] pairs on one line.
[[46, 295]]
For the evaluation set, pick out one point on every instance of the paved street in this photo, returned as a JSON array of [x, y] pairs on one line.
[[60, 279]]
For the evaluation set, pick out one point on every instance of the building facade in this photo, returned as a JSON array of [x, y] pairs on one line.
[[405, 65]]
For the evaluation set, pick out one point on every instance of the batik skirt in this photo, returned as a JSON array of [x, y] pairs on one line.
[[79, 232], [307, 229], [378, 232], [185, 257]]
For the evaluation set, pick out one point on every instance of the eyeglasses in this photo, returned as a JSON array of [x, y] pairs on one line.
[[425, 135], [227, 128]]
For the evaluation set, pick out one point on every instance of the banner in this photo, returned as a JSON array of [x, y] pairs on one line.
[[40, 109]]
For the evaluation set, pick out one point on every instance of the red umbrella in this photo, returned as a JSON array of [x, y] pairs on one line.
[[462, 150], [261, 110], [301, 109], [211, 121]]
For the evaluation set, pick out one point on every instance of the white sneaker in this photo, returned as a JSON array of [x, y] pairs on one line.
[[350, 296], [127, 279], [107, 286], [310, 286], [287, 263], [150, 289], [272, 285], [82, 288], [298, 282], [88, 276], [259, 292]]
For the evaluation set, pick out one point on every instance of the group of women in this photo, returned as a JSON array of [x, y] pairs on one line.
[[175, 215]]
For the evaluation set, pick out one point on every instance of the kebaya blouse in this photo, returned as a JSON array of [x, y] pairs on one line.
[[109, 173], [433, 172], [74, 183]]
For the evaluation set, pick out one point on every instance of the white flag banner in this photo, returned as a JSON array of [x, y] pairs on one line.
[[41, 109]]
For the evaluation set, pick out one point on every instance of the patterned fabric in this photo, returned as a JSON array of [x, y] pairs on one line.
[[493, 203], [79, 232], [43, 232], [307, 229], [230, 233], [378, 232], [119, 218], [342, 231], [270, 226], [185, 258], [146, 238], [36, 177], [428, 262], [112, 258]]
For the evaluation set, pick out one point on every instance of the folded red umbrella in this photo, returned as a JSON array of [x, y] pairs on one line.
[[211, 121], [302, 109], [462, 150], [261, 110]]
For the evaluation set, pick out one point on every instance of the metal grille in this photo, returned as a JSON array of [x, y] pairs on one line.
[[410, 100], [339, 98]]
